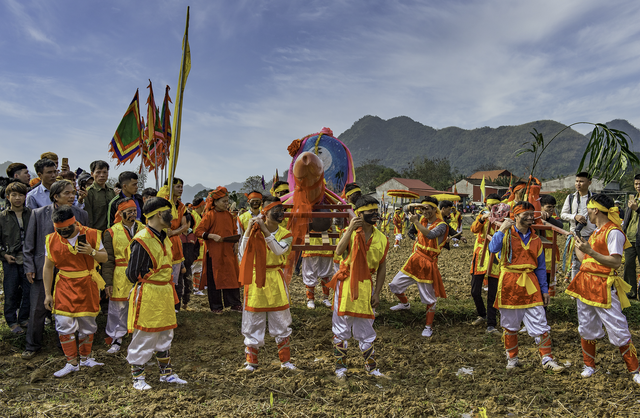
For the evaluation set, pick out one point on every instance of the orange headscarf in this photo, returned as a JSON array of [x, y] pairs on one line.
[[519, 187], [216, 194], [255, 255]]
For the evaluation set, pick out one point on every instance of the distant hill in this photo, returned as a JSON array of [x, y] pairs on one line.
[[398, 141], [188, 192], [3, 168], [626, 127]]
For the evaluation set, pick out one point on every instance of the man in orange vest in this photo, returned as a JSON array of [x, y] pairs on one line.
[[422, 266], [398, 223], [522, 287], [600, 303], [75, 251]]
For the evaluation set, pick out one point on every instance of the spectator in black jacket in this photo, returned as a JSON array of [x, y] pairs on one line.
[[128, 181]]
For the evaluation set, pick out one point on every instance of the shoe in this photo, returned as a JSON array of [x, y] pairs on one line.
[[479, 321], [198, 293], [395, 245], [216, 311], [493, 330], [341, 373], [636, 378], [17, 330], [587, 371], [326, 303], [173, 378], [455, 245], [47, 321], [376, 373], [68, 368], [90, 362], [249, 368], [176, 310], [427, 331], [523, 330], [115, 346], [288, 365], [24, 324], [401, 307], [140, 384], [552, 365], [512, 363], [485, 288], [237, 308], [311, 304], [28, 355]]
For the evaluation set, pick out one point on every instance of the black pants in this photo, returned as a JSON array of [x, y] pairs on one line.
[[476, 294], [37, 315], [230, 297], [630, 255], [184, 289]]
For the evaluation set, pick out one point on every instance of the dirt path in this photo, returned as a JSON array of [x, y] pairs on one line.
[[422, 381]]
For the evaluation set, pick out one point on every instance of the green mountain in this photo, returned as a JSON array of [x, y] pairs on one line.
[[399, 141]]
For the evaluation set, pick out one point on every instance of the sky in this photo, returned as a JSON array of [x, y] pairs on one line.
[[267, 72]]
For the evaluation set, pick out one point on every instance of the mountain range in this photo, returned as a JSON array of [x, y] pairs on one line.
[[398, 141]]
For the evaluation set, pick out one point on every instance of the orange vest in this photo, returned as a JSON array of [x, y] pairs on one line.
[[518, 286], [76, 293], [592, 284], [176, 248], [398, 223], [482, 230], [422, 265]]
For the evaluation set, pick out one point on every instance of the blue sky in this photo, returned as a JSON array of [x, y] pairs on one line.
[[267, 72]]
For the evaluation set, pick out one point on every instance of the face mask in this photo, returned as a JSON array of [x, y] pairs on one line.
[[276, 216], [66, 232], [371, 218], [130, 217], [166, 217], [255, 204]]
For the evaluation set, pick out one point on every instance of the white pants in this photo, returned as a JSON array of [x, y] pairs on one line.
[[345, 326], [254, 325], [85, 325], [117, 319], [401, 282], [314, 268], [534, 318], [399, 237], [591, 319], [145, 344]]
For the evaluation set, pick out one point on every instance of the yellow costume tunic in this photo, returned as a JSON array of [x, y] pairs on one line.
[[482, 230], [273, 296], [151, 305], [197, 219], [121, 239], [377, 249]]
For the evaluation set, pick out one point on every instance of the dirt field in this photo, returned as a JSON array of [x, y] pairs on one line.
[[208, 352]]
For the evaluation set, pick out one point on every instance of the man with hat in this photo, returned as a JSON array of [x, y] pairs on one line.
[[600, 293], [220, 265], [152, 315]]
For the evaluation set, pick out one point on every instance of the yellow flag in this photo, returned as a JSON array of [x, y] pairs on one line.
[[482, 188], [185, 67]]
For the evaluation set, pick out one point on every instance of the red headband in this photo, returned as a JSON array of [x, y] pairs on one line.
[[253, 195], [270, 206], [68, 222]]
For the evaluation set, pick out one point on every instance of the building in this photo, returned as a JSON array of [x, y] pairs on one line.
[[416, 186], [470, 188], [491, 174], [569, 182]]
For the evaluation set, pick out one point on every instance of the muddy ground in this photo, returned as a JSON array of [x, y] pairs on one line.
[[208, 352]]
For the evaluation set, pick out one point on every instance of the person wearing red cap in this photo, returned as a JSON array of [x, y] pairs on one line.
[[254, 201], [522, 286], [264, 248], [75, 251], [220, 266]]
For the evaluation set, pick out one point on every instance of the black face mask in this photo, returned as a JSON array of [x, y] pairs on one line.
[[277, 216], [66, 232], [167, 217], [371, 218]]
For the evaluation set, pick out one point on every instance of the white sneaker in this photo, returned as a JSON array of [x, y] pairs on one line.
[[288, 365], [115, 347], [198, 293], [636, 378], [311, 304], [395, 245], [249, 368], [485, 288], [401, 306], [552, 365], [587, 371], [512, 363], [427, 331], [493, 330], [68, 368], [90, 362], [455, 245], [140, 384], [173, 379], [376, 373], [326, 303], [479, 321], [341, 373], [523, 330]]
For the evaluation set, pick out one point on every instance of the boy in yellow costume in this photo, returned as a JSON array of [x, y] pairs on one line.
[[254, 201], [116, 242], [152, 315], [364, 249], [264, 248]]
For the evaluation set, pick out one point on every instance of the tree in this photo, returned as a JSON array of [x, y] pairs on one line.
[[371, 174], [252, 183], [437, 172], [202, 193]]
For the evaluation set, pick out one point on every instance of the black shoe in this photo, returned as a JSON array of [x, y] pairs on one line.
[[28, 355], [632, 296]]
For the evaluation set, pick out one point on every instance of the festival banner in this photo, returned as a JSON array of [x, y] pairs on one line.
[[125, 144]]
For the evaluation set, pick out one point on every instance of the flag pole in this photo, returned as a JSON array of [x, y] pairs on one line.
[[177, 116]]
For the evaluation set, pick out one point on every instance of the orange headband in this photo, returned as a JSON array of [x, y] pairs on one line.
[[270, 206], [519, 187], [254, 195], [198, 205], [129, 204], [520, 209], [68, 222]]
